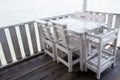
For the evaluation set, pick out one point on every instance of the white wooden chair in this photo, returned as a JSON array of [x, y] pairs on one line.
[[67, 43], [98, 58], [48, 41]]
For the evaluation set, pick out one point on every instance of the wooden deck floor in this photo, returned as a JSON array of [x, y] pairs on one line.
[[43, 68]]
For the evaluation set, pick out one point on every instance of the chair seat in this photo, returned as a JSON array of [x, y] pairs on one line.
[[73, 44]]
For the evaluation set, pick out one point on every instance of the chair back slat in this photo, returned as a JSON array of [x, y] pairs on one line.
[[5, 46], [33, 37], [46, 32], [15, 42], [61, 34], [24, 40]]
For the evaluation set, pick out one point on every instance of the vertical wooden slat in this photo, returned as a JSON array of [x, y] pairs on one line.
[[117, 21], [40, 36], [110, 20], [5, 46], [0, 63], [105, 17], [104, 14], [37, 37], [2, 56], [10, 44], [15, 42], [24, 39], [33, 36]]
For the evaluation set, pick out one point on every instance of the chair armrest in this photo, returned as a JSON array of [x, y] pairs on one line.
[[93, 36], [115, 31]]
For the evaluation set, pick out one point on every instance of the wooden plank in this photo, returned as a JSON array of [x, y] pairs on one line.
[[24, 39], [5, 46], [44, 71], [117, 21], [25, 67], [0, 63], [15, 42], [110, 20], [33, 37], [40, 69], [40, 36]]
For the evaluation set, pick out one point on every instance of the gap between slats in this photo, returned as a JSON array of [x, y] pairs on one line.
[[24, 40], [5, 46], [20, 42], [29, 39], [10, 44], [33, 37], [15, 43]]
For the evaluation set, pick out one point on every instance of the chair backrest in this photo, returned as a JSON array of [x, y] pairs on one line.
[[95, 17], [60, 33], [46, 32]]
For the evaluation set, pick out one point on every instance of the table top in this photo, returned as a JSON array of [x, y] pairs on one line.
[[79, 25]]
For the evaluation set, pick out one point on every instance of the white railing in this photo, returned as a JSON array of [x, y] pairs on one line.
[[18, 42]]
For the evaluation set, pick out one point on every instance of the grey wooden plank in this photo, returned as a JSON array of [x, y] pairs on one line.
[[44, 72], [40, 69], [25, 67], [15, 42], [0, 63], [33, 36], [24, 40], [117, 21], [110, 20], [5, 46], [40, 36]]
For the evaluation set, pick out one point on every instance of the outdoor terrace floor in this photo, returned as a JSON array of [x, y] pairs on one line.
[[43, 68]]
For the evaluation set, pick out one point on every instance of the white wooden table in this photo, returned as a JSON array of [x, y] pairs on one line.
[[79, 26]]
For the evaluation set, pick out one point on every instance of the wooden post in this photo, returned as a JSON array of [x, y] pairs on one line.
[[84, 5]]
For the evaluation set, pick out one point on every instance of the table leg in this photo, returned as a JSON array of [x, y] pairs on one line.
[[81, 53]]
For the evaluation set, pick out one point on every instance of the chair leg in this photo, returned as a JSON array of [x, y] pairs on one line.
[[87, 50], [54, 53], [44, 47], [70, 62], [98, 75], [56, 50], [113, 65], [115, 48]]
